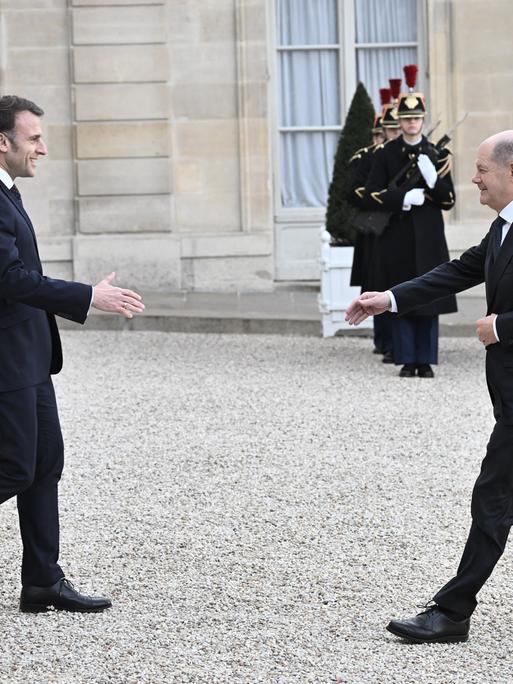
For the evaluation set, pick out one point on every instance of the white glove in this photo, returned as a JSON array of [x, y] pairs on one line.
[[413, 197], [427, 169]]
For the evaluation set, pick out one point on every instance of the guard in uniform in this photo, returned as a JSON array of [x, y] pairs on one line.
[[360, 165], [412, 179], [383, 335]]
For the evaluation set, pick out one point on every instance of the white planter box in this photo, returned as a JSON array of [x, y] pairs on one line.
[[336, 293]]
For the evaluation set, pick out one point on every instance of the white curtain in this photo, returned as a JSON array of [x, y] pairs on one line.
[[309, 82], [309, 96], [384, 21]]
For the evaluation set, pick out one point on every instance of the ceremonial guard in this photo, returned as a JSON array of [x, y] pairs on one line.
[[410, 178], [359, 167], [365, 257], [390, 116]]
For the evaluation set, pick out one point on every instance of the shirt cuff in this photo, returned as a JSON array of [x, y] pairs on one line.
[[494, 324], [91, 302], [393, 303]]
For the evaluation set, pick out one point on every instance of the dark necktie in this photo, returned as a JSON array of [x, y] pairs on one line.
[[14, 191], [499, 222]]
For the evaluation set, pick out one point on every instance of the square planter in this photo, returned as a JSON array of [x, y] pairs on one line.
[[336, 293]]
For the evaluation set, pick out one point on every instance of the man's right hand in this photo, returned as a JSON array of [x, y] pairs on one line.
[[108, 297], [367, 304]]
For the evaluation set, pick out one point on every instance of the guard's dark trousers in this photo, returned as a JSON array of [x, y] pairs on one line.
[[415, 339], [492, 517], [31, 462]]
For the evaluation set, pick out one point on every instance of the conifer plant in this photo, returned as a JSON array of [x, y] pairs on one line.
[[356, 133]]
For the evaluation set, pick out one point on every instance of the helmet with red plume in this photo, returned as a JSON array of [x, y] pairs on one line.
[[412, 104], [384, 95], [395, 87]]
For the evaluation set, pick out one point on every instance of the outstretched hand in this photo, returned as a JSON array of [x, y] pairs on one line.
[[108, 297], [367, 304]]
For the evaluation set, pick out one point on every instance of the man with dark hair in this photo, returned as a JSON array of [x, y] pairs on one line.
[[10, 106], [31, 447], [447, 618]]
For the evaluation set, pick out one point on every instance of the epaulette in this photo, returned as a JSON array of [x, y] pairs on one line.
[[359, 153]]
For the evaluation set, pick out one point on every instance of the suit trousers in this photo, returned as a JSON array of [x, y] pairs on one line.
[[492, 517], [31, 462]]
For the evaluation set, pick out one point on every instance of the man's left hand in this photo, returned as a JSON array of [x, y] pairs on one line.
[[484, 329]]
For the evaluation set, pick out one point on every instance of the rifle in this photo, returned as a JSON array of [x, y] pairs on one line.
[[433, 153], [375, 222]]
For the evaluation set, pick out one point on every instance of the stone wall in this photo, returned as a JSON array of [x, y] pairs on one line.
[[470, 71], [159, 117], [34, 62], [157, 128]]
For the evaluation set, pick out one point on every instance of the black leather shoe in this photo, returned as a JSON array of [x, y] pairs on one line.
[[62, 596], [425, 371], [430, 626], [407, 371], [387, 357]]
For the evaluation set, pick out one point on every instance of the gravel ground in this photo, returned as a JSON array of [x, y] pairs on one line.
[[258, 507]]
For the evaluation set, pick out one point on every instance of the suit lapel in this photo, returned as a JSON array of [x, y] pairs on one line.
[[23, 213], [501, 260]]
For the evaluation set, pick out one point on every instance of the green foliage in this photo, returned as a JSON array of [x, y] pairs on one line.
[[356, 133]]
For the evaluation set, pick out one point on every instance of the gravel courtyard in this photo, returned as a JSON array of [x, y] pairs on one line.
[[258, 507]]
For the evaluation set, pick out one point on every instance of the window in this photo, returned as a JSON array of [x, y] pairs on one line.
[[324, 48], [309, 111], [385, 40]]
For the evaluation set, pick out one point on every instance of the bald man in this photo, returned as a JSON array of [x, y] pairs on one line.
[[447, 616]]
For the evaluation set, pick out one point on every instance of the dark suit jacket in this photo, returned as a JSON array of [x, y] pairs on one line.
[[30, 347], [494, 265]]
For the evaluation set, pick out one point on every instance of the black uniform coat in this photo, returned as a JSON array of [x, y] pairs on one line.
[[493, 265], [30, 347], [359, 166], [414, 241]]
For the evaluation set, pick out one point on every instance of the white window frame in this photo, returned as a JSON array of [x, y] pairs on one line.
[[347, 73]]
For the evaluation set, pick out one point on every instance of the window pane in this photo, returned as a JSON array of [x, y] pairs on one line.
[[307, 22], [306, 166], [309, 88], [376, 66], [386, 21]]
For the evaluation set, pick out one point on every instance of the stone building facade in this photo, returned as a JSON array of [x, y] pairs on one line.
[[162, 126]]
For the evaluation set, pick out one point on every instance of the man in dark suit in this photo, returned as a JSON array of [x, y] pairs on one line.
[[31, 448], [447, 617]]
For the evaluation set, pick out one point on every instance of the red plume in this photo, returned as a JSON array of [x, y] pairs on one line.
[[384, 94], [410, 75], [395, 87]]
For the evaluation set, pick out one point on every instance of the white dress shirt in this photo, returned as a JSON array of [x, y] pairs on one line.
[[507, 215], [6, 179]]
